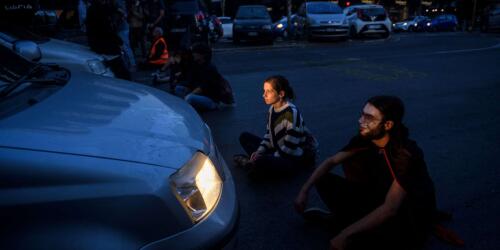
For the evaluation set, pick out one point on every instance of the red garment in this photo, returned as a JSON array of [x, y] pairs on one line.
[[158, 45]]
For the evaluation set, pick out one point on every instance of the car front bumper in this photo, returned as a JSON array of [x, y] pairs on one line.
[[254, 35], [329, 31]]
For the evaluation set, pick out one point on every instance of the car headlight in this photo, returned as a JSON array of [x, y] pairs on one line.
[[266, 27], [415, 25], [197, 186], [96, 66], [428, 24], [405, 24], [238, 27], [279, 26]]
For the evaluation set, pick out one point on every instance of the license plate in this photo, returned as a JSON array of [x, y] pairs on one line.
[[178, 30], [374, 26], [253, 33]]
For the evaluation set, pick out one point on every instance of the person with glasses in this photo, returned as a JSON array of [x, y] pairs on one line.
[[387, 198]]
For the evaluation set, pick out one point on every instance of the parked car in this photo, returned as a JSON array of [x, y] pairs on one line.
[[187, 22], [422, 25], [227, 27], [252, 23], [322, 20], [48, 50], [368, 19], [92, 162], [443, 22], [492, 18], [408, 24], [280, 28]]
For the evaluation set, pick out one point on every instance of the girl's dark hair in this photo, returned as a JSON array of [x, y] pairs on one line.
[[280, 83], [392, 109]]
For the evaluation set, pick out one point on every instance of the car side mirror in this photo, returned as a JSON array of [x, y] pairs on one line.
[[28, 50]]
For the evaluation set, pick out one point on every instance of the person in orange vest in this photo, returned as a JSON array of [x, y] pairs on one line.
[[158, 54]]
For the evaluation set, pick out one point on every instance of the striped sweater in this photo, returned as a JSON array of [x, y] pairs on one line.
[[285, 133]]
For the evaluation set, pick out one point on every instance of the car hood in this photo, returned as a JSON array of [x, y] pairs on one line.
[[54, 50], [108, 118], [336, 18], [252, 21]]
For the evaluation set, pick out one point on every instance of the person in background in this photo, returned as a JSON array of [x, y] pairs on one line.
[[137, 25], [206, 89], [158, 54]]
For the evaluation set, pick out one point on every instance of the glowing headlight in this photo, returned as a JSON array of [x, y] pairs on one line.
[[405, 24], [266, 27], [279, 26], [197, 186], [415, 25], [96, 66], [428, 24]]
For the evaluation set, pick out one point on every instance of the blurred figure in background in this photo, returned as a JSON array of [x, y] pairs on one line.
[[158, 54], [137, 26]]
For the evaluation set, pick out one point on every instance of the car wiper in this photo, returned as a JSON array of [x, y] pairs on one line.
[[28, 79]]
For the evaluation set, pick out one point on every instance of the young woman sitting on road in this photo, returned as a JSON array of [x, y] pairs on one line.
[[287, 143]]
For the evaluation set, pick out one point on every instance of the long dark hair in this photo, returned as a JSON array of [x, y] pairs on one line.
[[392, 109], [280, 83]]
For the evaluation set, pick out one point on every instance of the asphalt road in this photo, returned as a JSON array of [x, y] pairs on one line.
[[450, 83]]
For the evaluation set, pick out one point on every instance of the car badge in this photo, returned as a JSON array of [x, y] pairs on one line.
[[373, 18]]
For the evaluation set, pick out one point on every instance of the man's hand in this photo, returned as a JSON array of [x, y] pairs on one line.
[[300, 202], [255, 155], [338, 242]]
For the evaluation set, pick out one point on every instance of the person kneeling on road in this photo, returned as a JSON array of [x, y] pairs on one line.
[[287, 145], [206, 89], [387, 200]]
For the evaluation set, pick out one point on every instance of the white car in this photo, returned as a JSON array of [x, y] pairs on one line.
[[408, 24], [92, 162], [48, 50], [227, 27], [368, 19], [322, 20]]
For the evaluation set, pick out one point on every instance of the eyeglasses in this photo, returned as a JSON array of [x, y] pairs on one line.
[[367, 118]]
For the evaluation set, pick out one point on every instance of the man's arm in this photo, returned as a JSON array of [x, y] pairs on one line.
[[388, 209], [324, 168]]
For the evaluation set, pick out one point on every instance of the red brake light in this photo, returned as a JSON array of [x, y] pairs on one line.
[[347, 4]]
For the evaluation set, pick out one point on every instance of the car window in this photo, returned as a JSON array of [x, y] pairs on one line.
[[252, 13], [323, 8], [374, 11]]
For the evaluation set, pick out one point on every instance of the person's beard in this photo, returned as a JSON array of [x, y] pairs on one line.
[[376, 133]]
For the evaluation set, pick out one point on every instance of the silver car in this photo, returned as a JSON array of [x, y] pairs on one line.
[[48, 50], [322, 19], [91, 162]]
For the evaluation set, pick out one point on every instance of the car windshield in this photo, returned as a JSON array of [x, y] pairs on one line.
[[252, 13], [374, 11], [323, 8]]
